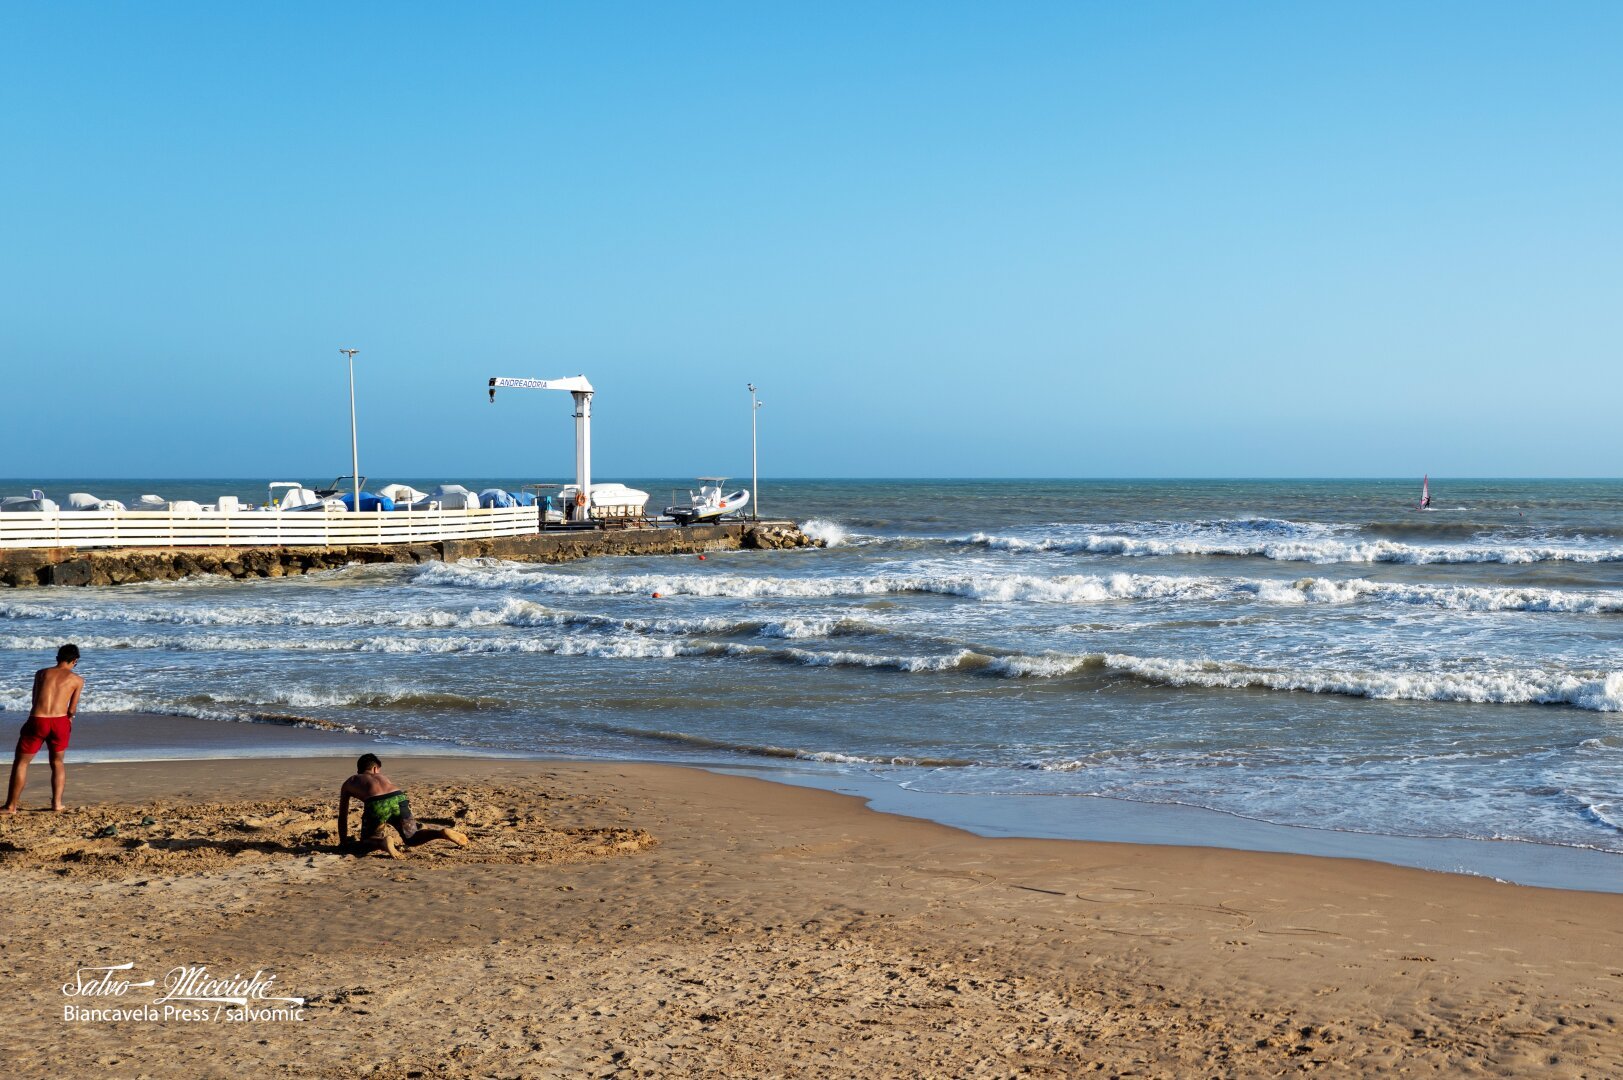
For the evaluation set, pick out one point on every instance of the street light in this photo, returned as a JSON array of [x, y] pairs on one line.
[[354, 446], [755, 476]]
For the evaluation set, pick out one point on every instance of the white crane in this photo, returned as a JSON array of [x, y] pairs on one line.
[[578, 386]]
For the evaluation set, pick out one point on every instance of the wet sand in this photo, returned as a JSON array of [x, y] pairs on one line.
[[640, 920]]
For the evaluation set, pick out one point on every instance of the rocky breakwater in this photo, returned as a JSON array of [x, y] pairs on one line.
[[25, 567]]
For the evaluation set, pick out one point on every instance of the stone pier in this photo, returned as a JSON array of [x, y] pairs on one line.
[[26, 567]]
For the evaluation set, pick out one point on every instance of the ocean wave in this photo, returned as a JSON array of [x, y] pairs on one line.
[[1607, 814], [1032, 588], [831, 533], [1323, 550], [976, 586], [112, 701], [603, 647], [1593, 691], [1450, 597], [517, 613], [705, 742], [316, 698], [1596, 691]]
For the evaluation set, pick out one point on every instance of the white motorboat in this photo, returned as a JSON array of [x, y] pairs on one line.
[[291, 495], [609, 502], [710, 502]]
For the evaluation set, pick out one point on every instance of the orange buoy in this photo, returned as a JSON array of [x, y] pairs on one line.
[[656, 596], [701, 558]]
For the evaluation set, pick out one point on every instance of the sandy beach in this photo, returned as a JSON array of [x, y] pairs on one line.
[[642, 920]]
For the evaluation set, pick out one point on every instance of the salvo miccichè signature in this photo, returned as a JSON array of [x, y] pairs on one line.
[[190, 993]]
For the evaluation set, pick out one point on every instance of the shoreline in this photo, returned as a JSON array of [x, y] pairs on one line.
[[103, 738], [627, 919]]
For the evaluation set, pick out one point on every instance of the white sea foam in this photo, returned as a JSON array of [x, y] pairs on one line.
[[513, 612], [1310, 549], [1451, 597], [1078, 588], [1596, 691], [1003, 587], [249, 710], [831, 533], [605, 647]]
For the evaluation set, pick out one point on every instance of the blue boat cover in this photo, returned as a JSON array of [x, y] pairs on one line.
[[369, 501]]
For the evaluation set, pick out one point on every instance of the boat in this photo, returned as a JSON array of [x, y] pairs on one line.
[[338, 487], [1425, 493], [500, 497], [292, 495], [85, 502], [609, 502], [401, 494], [711, 502], [370, 502], [447, 497], [33, 503]]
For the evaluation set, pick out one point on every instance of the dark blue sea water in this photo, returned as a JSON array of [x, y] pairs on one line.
[[1314, 653]]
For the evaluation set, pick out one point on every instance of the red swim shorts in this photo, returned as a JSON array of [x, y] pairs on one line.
[[52, 731]]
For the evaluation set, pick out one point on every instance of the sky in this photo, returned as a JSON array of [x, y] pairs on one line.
[[945, 239]]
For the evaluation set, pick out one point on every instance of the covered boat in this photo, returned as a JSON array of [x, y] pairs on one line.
[[84, 501], [33, 503], [609, 502]]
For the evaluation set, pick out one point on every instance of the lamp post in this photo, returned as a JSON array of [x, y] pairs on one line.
[[755, 474], [354, 445]]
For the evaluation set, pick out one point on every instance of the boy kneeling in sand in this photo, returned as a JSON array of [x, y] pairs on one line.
[[384, 805]]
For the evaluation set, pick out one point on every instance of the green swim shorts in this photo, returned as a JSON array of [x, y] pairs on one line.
[[384, 810]]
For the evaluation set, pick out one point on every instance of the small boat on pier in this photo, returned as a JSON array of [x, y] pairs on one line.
[[710, 503]]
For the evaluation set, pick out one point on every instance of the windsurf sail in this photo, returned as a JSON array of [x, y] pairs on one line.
[[1425, 492]]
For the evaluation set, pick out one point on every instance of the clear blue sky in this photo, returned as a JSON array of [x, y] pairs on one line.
[[1074, 239]]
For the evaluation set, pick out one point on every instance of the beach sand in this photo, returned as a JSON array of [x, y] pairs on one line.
[[642, 920]]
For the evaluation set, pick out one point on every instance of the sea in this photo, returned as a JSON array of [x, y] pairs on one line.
[[1312, 655]]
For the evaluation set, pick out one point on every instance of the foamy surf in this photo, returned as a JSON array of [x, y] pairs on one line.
[[1004, 587], [1311, 551]]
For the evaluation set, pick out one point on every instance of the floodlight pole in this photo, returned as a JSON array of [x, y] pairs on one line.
[[354, 445], [755, 472]]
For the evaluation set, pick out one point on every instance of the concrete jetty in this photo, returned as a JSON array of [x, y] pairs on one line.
[[28, 567]]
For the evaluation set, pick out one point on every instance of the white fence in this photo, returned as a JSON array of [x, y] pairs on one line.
[[257, 528]]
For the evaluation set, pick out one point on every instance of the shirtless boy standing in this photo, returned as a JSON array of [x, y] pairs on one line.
[[384, 806], [50, 722]]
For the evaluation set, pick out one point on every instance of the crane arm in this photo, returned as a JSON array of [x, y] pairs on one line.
[[576, 383]]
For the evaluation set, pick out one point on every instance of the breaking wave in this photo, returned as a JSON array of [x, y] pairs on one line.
[[1595, 691], [831, 533], [1313, 544], [512, 613], [1004, 588], [253, 712]]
